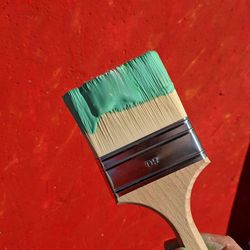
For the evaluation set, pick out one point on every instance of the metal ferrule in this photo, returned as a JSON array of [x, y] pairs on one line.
[[152, 157]]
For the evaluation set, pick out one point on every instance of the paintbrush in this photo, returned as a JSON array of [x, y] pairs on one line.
[[139, 131]]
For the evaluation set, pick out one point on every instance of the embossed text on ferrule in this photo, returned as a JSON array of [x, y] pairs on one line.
[[152, 162]]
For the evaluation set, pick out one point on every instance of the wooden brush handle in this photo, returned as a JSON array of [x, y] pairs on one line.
[[170, 197]]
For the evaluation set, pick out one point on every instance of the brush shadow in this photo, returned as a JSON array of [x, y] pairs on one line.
[[239, 224]]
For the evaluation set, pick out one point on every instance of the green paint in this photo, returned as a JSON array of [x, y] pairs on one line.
[[137, 81]]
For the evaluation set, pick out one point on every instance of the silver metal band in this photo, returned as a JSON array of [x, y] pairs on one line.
[[152, 157]]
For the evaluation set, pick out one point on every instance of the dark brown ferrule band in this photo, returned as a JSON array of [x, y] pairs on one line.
[[154, 156]]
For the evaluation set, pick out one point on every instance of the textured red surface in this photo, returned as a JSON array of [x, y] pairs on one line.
[[52, 194]]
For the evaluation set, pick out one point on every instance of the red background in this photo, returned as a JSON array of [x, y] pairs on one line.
[[52, 194]]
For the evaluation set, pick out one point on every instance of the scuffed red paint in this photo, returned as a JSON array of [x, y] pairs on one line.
[[52, 194]]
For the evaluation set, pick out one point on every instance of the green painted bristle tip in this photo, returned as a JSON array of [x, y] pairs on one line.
[[134, 82]]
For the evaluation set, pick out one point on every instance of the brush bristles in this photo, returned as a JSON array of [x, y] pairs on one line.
[[125, 104], [117, 129]]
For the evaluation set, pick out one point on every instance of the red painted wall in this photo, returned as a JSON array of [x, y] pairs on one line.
[[52, 194]]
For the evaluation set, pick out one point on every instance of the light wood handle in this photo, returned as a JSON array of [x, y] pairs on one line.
[[170, 197]]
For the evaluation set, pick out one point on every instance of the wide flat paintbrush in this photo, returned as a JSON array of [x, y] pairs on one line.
[[140, 133]]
